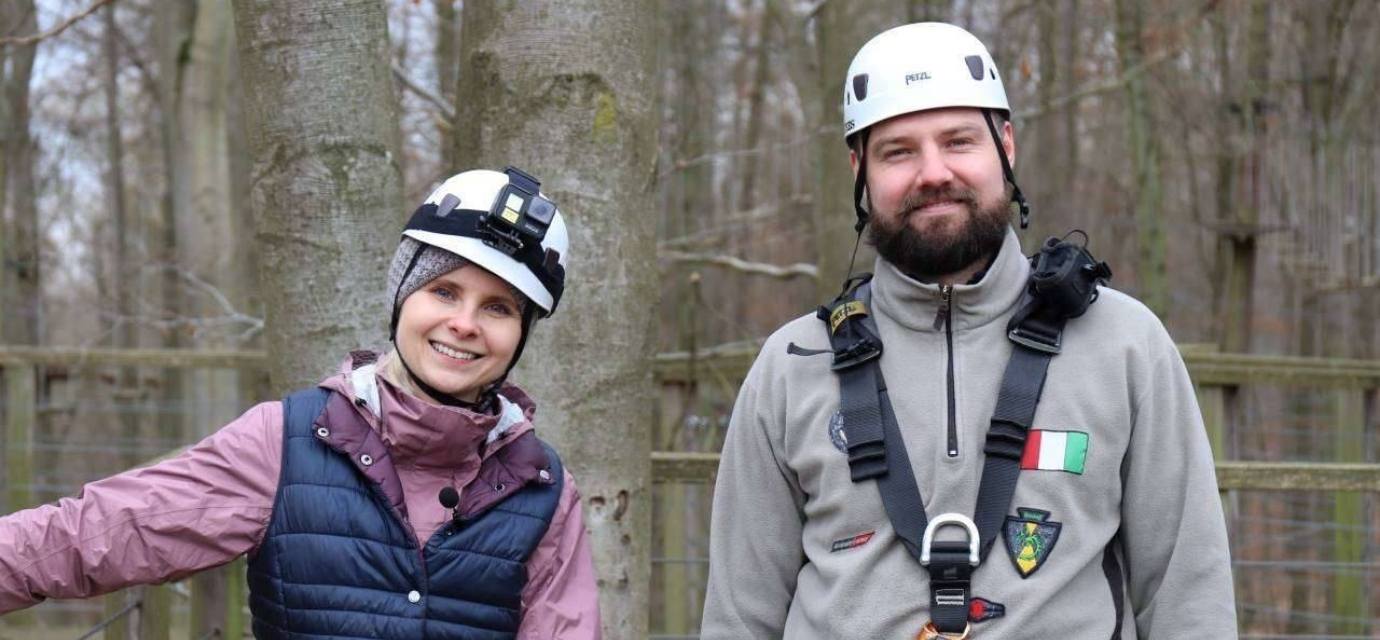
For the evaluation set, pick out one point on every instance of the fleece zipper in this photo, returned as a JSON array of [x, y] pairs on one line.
[[943, 319]]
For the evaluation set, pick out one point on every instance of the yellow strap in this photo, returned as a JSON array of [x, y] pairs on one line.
[[844, 312]]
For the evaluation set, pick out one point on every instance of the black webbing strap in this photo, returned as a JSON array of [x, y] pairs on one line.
[[950, 566], [875, 447], [951, 574], [1020, 393], [860, 410], [900, 492]]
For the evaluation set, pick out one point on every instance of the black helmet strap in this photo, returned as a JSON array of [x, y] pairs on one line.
[[1016, 195]]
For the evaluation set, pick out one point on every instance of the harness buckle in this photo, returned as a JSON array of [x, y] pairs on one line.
[[1036, 340], [950, 519], [863, 350]]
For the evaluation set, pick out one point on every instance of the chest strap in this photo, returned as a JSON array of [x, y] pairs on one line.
[[1063, 283]]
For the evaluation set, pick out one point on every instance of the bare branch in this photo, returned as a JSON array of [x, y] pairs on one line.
[[31, 39], [1117, 83], [447, 110], [798, 269], [1106, 86], [229, 318], [686, 163], [737, 222]]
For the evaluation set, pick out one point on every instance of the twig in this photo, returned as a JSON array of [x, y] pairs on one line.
[[1120, 81], [738, 264], [1096, 88], [21, 41], [447, 111], [685, 163]]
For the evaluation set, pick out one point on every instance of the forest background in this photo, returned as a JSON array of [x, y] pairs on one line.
[[230, 177]]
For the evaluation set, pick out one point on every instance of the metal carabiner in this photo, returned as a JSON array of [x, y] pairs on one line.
[[954, 519]]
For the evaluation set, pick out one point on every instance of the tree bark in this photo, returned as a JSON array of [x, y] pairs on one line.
[[322, 119], [757, 90], [201, 234], [567, 90], [122, 280], [447, 52], [19, 274], [207, 236], [1239, 187]]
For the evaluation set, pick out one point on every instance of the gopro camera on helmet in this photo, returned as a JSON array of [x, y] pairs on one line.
[[519, 215]]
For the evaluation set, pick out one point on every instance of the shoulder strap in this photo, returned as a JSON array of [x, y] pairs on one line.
[[1063, 284], [875, 447]]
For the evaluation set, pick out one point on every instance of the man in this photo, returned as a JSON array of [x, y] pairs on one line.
[[1111, 528]]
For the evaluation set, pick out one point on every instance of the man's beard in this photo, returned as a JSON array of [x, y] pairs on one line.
[[918, 254]]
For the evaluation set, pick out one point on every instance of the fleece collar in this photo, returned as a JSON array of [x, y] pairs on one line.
[[915, 305]]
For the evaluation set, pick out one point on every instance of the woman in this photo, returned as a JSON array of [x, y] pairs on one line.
[[407, 496]]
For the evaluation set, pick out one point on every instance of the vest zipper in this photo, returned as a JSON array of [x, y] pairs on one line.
[[945, 317]]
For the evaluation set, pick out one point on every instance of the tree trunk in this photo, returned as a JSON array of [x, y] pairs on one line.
[[841, 29], [1042, 168], [1072, 53], [19, 276], [567, 90], [122, 280], [1143, 145], [323, 127], [757, 90], [1239, 198], [201, 234], [447, 68], [206, 230]]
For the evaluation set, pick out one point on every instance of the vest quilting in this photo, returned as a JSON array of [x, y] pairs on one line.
[[338, 561]]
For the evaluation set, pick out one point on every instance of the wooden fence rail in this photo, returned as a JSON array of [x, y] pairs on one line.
[[1215, 374], [691, 467]]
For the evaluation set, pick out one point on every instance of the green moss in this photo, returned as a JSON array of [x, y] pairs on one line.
[[605, 116]]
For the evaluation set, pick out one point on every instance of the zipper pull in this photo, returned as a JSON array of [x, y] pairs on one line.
[[942, 318]]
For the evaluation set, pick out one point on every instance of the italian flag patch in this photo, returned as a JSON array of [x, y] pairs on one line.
[[1055, 451]]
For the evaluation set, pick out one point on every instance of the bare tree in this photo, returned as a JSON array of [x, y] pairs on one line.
[[19, 261], [326, 187], [447, 52], [1145, 156], [568, 91], [202, 230]]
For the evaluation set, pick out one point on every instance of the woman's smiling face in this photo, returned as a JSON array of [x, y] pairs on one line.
[[459, 332]]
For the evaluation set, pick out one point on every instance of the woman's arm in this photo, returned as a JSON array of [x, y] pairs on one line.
[[200, 509], [561, 599]]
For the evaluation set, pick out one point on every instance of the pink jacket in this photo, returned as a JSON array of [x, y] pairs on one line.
[[212, 503]]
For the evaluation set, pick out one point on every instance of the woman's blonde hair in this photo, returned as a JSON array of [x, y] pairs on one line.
[[390, 366]]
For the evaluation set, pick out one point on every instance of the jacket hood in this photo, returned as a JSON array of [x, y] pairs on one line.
[[916, 305]]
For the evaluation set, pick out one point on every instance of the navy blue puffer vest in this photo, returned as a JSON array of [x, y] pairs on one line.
[[339, 562]]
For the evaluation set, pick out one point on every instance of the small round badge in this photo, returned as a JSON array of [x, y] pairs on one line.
[[836, 434]]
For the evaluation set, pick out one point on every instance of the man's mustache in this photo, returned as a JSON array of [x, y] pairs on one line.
[[921, 199]]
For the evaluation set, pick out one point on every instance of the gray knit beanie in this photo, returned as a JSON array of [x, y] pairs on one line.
[[433, 263]]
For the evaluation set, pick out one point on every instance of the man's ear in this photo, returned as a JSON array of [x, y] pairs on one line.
[[853, 161], [1008, 142]]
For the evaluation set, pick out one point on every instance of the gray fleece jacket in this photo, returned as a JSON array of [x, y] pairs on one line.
[[1120, 496]]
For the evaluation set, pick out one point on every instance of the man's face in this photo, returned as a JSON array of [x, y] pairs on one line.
[[938, 198]]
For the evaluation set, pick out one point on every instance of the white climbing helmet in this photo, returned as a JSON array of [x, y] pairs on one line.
[[913, 67], [501, 222]]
